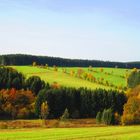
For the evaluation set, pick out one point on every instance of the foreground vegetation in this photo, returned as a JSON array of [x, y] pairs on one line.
[[93, 133], [50, 123]]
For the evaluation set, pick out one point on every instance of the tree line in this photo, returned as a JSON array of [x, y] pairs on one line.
[[21, 59], [81, 103]]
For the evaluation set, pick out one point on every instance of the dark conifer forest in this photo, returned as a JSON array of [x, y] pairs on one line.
[[21, 59]]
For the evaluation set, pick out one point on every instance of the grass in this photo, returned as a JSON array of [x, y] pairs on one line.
[[115, 77], [92, 133], [55, 123]]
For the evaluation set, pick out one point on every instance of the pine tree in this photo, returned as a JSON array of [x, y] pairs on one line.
[[108, 117], [99, 117], [65, 115]]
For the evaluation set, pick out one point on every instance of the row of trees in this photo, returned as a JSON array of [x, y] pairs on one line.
[[89, 76], [107, 117], [19, 59], [81, 103]]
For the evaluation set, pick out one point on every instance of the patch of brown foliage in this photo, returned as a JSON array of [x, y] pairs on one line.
[[73, 123]]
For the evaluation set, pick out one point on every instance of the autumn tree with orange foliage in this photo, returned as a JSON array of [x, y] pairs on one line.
[[131, 114], [55, 85], [16, 103], [80, 72]]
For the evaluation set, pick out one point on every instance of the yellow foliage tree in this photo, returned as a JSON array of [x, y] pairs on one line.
[[131, 114], [72, 72], [44, 111], [55, 68], [34, 64]]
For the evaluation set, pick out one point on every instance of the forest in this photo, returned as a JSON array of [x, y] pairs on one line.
[[20, 59]]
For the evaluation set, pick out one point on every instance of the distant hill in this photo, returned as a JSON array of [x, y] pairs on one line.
[[22, 59]]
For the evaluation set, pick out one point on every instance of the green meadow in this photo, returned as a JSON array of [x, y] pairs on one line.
[[114, 76], [92, 133]]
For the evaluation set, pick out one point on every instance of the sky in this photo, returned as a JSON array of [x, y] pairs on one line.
[[79, 29]]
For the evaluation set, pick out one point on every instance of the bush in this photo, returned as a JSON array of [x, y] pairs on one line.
[[99, 117], [117, 118], [108, 117], [4, 126], [23, 113], [65, 115]]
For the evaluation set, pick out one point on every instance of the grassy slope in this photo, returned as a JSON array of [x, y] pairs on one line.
[[98, 133], [113, 78], [67, 80]]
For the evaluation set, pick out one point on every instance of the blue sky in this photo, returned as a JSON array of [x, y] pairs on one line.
[[85, 29]]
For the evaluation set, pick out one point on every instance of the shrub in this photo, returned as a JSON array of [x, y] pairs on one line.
[[108, 117], [55, 85], [117, 118], [99, 117], [55, 68], [65, 115], [23, 113], [4, 126], [34, 64]]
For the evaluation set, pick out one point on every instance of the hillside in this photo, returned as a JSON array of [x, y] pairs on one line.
[[114, 77]]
